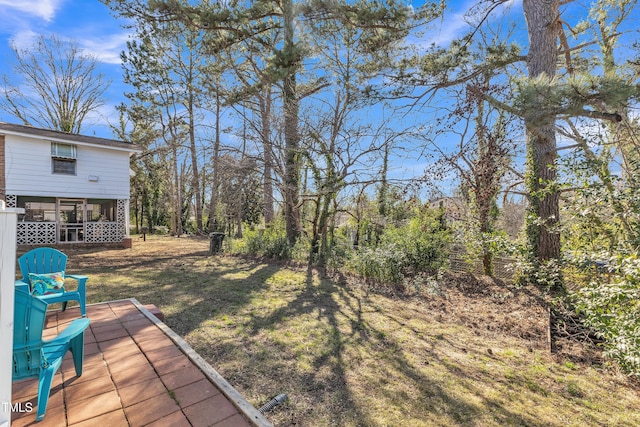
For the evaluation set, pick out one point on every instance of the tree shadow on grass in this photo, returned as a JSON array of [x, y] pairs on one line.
[[253, 352], [346, 316], [201, 298], [189, 289]]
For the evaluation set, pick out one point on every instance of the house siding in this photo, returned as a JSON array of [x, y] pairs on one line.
[[102, 172], [29, 171]]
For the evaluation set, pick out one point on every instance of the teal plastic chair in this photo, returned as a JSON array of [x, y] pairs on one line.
[[49, 260], [34, 357]]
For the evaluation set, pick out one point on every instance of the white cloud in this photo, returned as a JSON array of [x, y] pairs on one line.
[[24, 39], [456, 23], [100, 38], [44, 9], [454, 27], [107, 48]]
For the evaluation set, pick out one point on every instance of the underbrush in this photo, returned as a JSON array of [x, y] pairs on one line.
[[610, 306], [399, 253], [409, 258], [419, 247], [270, 242]]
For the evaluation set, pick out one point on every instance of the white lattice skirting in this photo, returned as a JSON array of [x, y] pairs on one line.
[[44, 233], [104, 232], [36, 233], [12, 201]]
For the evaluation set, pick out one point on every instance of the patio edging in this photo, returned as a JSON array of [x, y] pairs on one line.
[[247, 409]]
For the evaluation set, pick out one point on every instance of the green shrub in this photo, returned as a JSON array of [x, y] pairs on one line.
[[383, 264], [270, 242], [423, 242], [420, 246], [161, 230], [339, 252], [300, 251], [612, 309], [235, 246], [277, 247]]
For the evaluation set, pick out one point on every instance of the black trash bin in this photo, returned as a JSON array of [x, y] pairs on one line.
[[215, 242]]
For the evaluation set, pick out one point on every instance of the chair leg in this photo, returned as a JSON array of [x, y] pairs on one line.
[[44, 388], [82, 291], [83, 307], [64, 305], [77, 350]]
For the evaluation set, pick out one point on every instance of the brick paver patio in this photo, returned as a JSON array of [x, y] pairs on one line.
[[137, 372]]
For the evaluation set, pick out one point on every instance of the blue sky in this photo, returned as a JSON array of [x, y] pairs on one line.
[[90, 24], [86, 22]]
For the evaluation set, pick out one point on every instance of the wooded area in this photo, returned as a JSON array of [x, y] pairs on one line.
[[324, 98], [287, 125]]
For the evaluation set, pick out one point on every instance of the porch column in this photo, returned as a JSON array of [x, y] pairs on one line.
[[127, 220], [8, 221]]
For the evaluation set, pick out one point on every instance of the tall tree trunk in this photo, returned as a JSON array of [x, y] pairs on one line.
[[323, 228], [542, 17], [216, 172], [292, 140], [195, 177], [267, 188], [315, 235], [384, 185], [139, 214], [485, 181], [177, 194]]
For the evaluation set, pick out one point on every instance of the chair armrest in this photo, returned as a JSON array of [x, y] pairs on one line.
[[74, 329], [24, 286], [82, 281], [28, 346]]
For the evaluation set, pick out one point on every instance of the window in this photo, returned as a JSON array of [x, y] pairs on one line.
[[66, 167], [63, 158], [101, 210], [37, 209]]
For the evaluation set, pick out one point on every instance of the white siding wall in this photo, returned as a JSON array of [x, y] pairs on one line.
[[28, 171]]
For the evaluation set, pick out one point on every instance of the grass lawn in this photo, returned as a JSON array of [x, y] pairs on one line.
[[346, 356]]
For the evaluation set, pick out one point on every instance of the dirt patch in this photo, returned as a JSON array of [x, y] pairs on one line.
[[492, 307], [487, 305], [484, 304]]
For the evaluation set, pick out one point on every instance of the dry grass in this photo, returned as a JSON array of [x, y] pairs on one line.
[[460, 352]]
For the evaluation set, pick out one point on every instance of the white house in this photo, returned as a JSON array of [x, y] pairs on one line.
[[73, 188]]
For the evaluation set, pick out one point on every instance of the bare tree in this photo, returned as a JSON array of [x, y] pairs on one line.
[[58, 86], [480, 160]]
